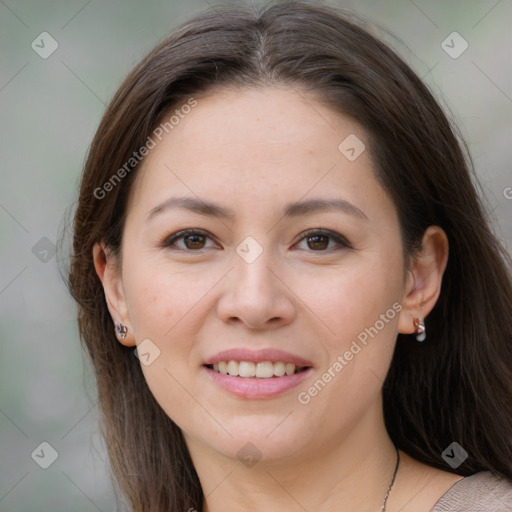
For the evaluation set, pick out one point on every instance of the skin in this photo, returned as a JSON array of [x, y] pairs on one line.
[[255, 151]]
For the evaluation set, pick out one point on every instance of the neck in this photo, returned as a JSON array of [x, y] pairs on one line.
[[353, 474]]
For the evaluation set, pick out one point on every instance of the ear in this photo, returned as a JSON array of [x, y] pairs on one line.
[[424, 278], [107, 268]]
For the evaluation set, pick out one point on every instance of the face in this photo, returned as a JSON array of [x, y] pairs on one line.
[[251, 237]]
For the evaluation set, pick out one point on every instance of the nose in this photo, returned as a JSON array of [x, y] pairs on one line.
[[256, 296]]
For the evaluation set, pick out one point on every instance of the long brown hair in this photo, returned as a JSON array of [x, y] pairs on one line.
[[455, 387]]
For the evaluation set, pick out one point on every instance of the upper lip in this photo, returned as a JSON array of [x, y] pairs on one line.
[[257, 356]]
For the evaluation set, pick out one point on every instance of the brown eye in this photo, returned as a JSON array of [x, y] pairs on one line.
[[321, 240], [189, 240], [194, 241], [318, 242]]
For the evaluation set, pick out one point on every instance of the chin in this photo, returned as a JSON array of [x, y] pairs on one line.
[[267, 439]]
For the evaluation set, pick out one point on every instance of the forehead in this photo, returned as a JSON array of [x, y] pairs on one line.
[[276, 118], [260, 144]]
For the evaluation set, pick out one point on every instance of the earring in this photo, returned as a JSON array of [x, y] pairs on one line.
[[121, 330], [420, 329]]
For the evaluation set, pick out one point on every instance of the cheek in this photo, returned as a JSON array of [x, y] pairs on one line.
[[168, 304], [159, 298], [165, 306], [361, 307], [353, 298]]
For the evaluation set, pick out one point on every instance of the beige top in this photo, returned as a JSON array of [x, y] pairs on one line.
[[481, 492]]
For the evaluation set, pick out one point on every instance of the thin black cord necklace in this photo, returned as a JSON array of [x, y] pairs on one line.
[[383, 508]]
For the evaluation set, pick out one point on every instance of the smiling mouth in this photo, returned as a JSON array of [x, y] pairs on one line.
[[262, 370]]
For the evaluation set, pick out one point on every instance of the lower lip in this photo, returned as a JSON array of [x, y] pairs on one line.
[[257, 389]]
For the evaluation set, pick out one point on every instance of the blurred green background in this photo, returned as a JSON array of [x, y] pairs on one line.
[[50, 108]]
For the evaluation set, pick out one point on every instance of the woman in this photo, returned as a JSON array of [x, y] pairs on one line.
[[286, 282]]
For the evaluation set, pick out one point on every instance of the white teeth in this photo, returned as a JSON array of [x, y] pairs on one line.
[[264, 370], [233, 368], [248, 369], [279, 369], [289, 369]]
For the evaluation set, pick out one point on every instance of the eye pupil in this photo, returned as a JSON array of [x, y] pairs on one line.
[[194, 241], [317, 242]]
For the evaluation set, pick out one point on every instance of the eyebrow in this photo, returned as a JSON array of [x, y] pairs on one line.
[[210, 209]]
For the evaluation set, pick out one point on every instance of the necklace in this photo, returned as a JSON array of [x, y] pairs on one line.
[[388, 492], [383, 508]]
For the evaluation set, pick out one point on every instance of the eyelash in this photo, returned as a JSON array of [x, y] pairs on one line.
[[339, 239], [169, 241]]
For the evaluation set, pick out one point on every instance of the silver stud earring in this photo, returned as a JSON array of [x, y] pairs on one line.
[[420, 329], [121, 330]]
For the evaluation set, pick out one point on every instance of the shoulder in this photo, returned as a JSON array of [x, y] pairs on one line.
[[480, 492]]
